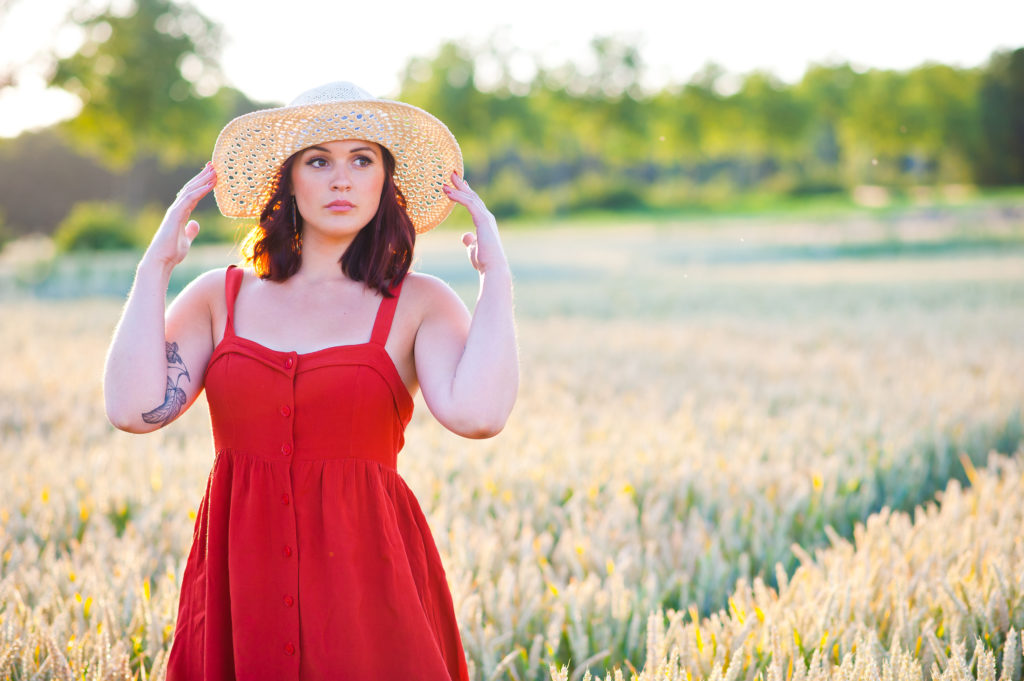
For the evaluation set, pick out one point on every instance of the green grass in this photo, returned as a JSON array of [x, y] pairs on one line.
[[769, 206], [641, 246]]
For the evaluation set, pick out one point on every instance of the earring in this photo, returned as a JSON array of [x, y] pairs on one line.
[[295, 221]]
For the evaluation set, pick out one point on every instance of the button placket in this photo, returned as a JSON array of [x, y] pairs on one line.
[[285, 407], [289, 553], [290, 573]]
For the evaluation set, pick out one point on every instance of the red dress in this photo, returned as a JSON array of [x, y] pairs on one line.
[[311, 559]]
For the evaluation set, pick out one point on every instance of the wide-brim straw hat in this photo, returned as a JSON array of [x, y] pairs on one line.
[[251, 148]]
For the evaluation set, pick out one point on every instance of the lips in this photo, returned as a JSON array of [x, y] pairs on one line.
[[340, 205]]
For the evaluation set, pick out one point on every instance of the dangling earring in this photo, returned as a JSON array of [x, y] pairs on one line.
[[296, 234]]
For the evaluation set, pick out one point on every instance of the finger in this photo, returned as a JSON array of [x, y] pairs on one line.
[[203, 177], [191, 230], [209, 175], [460, 183], [458, 196], [205, 185], [194, 193], [471, 250]]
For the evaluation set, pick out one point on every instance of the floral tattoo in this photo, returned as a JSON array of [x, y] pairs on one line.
[[175, 397]]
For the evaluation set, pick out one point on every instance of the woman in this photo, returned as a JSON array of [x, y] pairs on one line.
[[311, 558]]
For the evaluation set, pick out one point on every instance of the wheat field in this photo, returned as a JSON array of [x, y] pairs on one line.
[[723, 463]]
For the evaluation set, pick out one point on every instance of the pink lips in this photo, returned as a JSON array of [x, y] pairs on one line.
[[340, 206]]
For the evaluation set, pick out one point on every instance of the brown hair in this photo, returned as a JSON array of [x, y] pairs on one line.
[[380, 255]]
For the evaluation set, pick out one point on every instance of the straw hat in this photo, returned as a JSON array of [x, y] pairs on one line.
[[251, 148]]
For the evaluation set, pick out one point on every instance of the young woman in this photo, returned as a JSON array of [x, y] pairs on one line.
[[311, 559]]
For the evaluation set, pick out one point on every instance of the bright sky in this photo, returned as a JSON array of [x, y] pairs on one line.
[[274, 54]]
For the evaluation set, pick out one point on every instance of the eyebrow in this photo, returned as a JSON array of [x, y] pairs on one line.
[[350, 151]]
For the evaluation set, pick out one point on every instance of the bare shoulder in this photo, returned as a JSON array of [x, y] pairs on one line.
[[201, 301], [207, 288], [429, 294]]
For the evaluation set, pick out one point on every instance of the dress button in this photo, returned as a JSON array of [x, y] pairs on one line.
[[289, 648], [288, 363], [287, 551], [284, 499], [289, 601], [285, 410], [286, 449]]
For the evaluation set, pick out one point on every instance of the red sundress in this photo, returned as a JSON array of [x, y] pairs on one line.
[[311, 558]]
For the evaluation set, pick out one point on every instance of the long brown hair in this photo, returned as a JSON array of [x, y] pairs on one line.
[[380, 254]]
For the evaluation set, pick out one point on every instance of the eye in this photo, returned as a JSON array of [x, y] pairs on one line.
[[316, 162], [363, 161]]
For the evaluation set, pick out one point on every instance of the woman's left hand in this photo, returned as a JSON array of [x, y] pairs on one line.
[[468, 368], [484, 247]]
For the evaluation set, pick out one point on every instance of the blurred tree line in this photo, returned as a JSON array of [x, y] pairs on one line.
[[567, 140], [152, 105], [557, 141]]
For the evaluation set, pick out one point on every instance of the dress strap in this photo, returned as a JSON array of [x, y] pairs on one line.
[[385, 315], [232, 283]]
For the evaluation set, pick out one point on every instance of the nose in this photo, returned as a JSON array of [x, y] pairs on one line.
[[340, 178]]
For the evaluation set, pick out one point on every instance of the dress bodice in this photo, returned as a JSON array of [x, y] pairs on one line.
[[345, 401]]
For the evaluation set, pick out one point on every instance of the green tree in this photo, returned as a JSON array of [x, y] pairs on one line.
[[617, 102], [445, 86], [146, 81], [712, 118], [580, 138], [939, 120], [775, 119], [826, 90], [999, 159]]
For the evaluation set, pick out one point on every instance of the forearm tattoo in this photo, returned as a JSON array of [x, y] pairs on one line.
[[175, 398]]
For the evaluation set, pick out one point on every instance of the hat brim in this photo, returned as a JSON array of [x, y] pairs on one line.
[[251, 148]]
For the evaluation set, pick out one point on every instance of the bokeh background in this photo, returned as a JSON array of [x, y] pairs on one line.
[[560, 111], [769, 270]]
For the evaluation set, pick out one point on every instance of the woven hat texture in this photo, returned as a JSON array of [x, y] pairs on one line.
[[251, 148]]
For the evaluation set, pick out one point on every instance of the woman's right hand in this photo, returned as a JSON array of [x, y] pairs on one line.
[[172, 240]]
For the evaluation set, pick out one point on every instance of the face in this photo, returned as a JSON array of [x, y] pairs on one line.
[[337, 187]]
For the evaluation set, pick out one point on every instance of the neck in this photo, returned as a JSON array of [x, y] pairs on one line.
[[321, 258]]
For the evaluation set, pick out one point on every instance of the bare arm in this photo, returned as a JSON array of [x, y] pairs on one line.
[[468, 369], [154, 369]]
